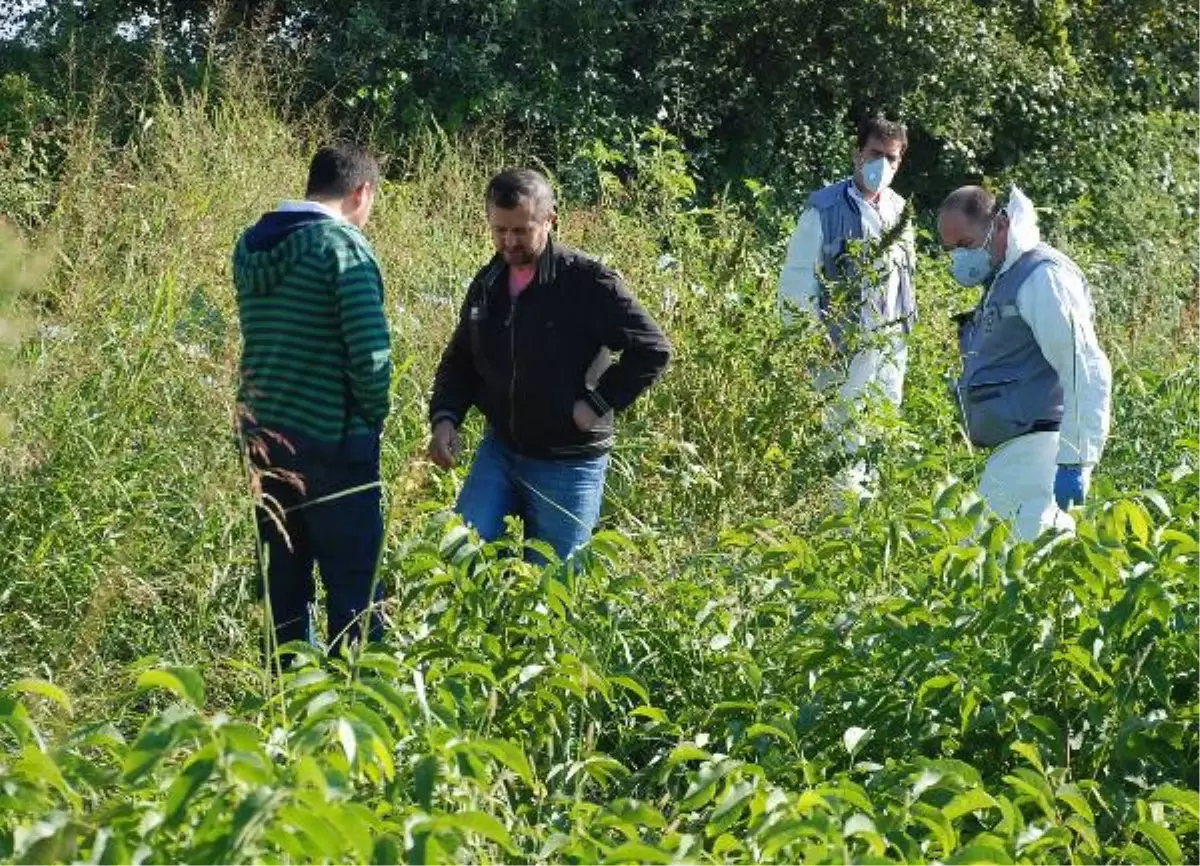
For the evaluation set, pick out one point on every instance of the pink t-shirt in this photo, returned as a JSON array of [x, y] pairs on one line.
[[519, 278]]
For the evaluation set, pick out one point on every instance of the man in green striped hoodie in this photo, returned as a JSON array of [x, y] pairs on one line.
[[314, 393]]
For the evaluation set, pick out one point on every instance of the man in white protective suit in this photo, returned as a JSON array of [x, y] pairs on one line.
[[1036, 387], [866, 325]]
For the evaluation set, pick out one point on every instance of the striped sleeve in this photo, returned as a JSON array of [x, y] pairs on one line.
[[364, 329]]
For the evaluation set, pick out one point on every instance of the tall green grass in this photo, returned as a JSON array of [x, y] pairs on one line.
[[123, 514], [126, 539]]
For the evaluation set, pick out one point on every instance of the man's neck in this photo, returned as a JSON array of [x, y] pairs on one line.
[[334, 206], [866, 195]]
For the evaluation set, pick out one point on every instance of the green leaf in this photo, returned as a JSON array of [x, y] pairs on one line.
[[1081, 659], [425, 775], [632, 685], [725, 845], [637, 812], [763, 730], [483, 824], [1029, 752], [781, 834], [852, 793], [686, 752], [1011, 821], [509, 754], [861, 826], [348, 739], [44, 689], [1188, 801], [1127, 511], [974, 800], [184, 682], [968, 710], [199, 770], [935, 820], [1072, 796], [637, 852], [1162, 840], [15, 717], [1085, 831], [980, 855], [471, 668], [935, 683], [943, 499], [36, 766], [604, 768], [250, 818], [324, 839], [703, 785], [1053, 839], [734, 797], [388, 849], [1132, 853], [966, 775], [1034, 786], [654, 714], [607, 541], [1158, 501]]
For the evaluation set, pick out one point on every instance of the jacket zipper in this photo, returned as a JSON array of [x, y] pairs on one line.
[[512, 386]]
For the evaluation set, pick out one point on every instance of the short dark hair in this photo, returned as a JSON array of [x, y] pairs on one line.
[[975, 203], [339, 169], [509, 187], [880, 126]]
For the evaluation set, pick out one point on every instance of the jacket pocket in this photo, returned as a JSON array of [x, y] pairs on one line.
[[990, 412]]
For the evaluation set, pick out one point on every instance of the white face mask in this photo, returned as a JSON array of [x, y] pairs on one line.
[[971, 266], [877, 174]]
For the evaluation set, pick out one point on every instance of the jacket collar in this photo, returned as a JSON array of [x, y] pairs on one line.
[[549, 264]]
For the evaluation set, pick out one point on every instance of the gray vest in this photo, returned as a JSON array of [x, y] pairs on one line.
[[1007, 387], [842, 222]]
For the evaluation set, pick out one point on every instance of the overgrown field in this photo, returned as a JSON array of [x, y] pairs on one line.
[[734, 676]]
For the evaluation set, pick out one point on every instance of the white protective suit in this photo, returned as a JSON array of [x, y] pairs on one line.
[[875, 372], [1018, 481]]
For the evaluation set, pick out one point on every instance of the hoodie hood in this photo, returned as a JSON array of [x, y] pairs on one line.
[[270, 248]]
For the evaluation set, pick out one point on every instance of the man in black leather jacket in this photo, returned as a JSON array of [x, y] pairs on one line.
[[532, 350]]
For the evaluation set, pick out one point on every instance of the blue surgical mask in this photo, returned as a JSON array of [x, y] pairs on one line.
[[877, 174], [971, 266]]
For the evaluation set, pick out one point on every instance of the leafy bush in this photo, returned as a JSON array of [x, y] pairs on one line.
[[910, 693], [769, 89]]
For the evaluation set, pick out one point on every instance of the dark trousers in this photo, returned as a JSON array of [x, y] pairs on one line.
[[310, 516]]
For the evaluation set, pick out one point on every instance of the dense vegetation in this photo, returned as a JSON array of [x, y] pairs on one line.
[[734, 674], [1058, 94]]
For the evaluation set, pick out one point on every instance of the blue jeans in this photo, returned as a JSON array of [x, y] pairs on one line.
[[342, 536], [558, 500]]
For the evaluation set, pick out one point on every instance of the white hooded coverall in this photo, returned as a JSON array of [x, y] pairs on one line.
[[876, 371], [1018, 480]]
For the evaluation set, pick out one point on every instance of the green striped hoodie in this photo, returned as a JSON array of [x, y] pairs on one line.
[[315, 343]]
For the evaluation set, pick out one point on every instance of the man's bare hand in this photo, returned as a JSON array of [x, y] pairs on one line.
[[445, 445]]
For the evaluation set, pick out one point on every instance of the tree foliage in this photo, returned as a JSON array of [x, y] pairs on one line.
[[761, 88]]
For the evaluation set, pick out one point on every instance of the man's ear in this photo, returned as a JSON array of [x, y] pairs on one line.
[[362, 192]]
